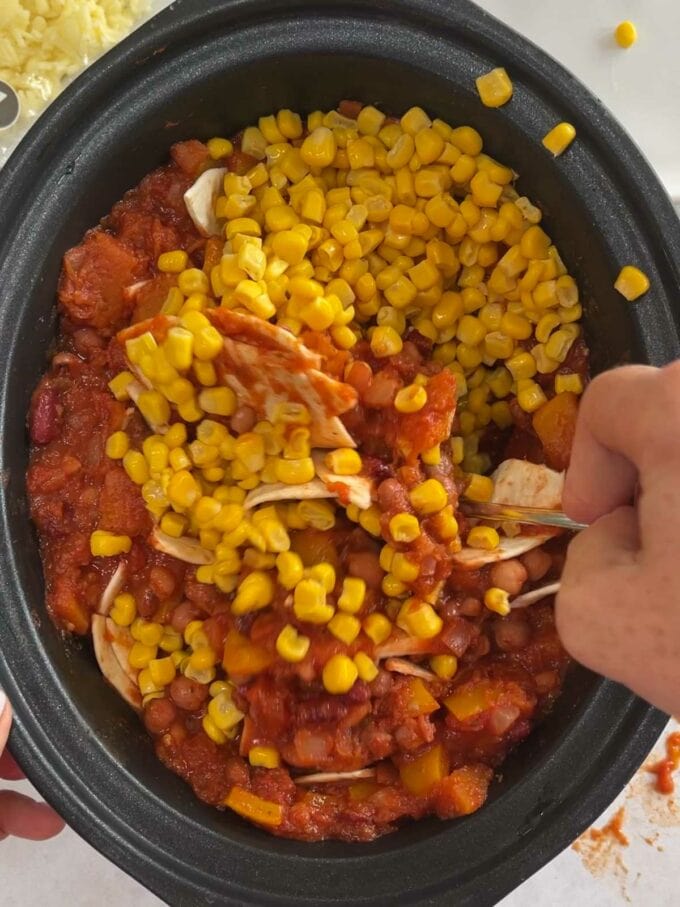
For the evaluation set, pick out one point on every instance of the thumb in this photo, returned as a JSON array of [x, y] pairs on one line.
[[611, 540], [600, 568]]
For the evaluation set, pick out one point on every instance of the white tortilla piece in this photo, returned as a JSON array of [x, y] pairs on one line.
[[130, 292], [279, 491], [399, 646], [334, 777], [113, 587], [402, 666], [474, 558], [262, 334], [529, 598], [527, 484], [121, 642], [200, 200], [109, 664], [359, 488], [134, 389], [184, 548], [266, 366]]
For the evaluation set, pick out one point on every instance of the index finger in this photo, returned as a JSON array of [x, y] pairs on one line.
[[629, 418], [9, 770]]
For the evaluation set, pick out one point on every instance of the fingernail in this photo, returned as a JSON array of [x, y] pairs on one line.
[[3, 701]]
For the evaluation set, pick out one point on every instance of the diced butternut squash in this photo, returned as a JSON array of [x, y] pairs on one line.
[[420, 701], [254, 808], [463, 791], [555, 424], [362, 790], [242, 657], [471, 699], [420, 775]]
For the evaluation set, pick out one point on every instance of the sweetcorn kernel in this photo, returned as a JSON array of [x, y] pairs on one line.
[[495, 87]]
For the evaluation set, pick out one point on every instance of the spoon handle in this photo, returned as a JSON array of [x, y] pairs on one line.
[[533, 515]]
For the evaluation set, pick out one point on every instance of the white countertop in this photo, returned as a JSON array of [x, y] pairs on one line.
[[641, 86]]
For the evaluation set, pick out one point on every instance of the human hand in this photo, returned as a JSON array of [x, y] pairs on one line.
[[618, 610], [20, 815]]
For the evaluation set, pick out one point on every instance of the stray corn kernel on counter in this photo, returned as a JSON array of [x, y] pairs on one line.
[[285, 361]]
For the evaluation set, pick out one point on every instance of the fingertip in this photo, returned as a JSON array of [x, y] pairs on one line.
[[46, 823], [9, 770], [23, 817]]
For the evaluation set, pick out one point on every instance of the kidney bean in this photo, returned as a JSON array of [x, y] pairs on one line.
[[366, 566], [393, 497], [162, 582], [188, 694], [159, 715], [243, 420], [183, 614], [45, 416], [422, 343]]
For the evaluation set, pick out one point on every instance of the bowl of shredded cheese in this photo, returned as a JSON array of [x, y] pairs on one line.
[[44, 44]]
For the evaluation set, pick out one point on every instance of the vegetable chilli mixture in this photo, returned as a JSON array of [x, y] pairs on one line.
[[285, 363]]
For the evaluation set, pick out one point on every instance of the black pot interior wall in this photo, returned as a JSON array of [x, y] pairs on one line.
[[198, 87], [222, 105]]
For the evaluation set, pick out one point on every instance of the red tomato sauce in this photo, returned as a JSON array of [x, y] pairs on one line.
[[510, 670]]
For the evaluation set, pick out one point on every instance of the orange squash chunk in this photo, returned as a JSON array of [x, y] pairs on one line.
[[555, 424], [421, 774]]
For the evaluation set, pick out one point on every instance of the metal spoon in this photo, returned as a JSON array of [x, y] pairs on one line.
[[532, 515]]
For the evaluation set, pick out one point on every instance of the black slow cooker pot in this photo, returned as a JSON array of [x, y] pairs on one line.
[[206, 67]]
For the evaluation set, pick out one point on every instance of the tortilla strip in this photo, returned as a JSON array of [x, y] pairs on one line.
[[113, 587], [264, 335], [402, 666], [400, 646], [109, 664], [535, 595], [200, 200], [279, 491], [266, 366], [359, 489], [335, 777], [525, 484], [474, 558], [134, 389], [184, 548]]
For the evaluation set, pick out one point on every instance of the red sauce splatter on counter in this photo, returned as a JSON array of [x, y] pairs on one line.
[[612, 830], [665, 767], [600, 850]]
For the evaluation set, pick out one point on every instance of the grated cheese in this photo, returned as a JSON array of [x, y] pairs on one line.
[[44, 43]]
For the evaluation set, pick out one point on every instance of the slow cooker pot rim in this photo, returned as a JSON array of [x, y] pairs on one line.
[[31, 740]]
